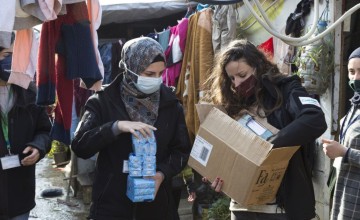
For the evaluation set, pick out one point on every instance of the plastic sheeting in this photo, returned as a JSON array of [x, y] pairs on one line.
[[126, 11]]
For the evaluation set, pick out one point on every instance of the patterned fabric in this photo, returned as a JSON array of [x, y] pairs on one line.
[[138, 106], [355, 100], [137, 54], [346, 203]]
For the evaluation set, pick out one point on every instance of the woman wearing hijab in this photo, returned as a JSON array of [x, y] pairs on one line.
[[346, 202], [136, 101]]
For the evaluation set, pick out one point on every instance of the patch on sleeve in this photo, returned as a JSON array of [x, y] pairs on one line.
[[309, 101]]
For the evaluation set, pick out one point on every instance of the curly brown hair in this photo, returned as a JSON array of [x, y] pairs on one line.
[[218, 88]]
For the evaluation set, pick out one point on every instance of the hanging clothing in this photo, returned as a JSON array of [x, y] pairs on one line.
[[105, 54], [95, 14], [164, 38], [7, 20], [24, 58], [196, 65], [60, 36], [22, 19], [224, 26], [44, 10], [268, 47], [174, 52]]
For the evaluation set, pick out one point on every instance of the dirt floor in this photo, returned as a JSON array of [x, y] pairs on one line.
[[50, 177]]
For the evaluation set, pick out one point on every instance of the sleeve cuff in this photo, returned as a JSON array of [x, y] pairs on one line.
[[115, 129], [346, 157]]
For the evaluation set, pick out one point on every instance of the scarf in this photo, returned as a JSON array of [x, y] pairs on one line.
[[139, 106], [137, 54], [355, 100]]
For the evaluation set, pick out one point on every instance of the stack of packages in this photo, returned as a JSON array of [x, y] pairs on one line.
[[142, 163]]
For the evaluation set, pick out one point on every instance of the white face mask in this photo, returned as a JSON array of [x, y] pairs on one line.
[[147, 85]]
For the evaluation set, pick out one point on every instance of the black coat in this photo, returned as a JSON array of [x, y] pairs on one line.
[[28, 125], [300, 121], [94, 134]]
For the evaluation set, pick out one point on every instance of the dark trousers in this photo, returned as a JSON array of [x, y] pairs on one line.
[[257, 216]]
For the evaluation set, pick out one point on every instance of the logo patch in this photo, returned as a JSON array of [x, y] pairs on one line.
[[309, 101]]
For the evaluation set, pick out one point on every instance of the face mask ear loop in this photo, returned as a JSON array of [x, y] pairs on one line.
[[122, 63]]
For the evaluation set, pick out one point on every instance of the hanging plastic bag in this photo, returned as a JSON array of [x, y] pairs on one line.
[[315, 61]]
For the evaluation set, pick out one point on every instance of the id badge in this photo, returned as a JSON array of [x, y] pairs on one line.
[[126, 166], [9, 162]]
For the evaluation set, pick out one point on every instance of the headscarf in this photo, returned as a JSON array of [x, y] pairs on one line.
[[355, 100], [355, 54], [137, 54]]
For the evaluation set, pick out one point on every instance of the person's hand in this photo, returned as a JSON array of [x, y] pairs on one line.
[[159, 178], [333, 149], [191, 197], [32, 158], [133, 126], [216, 185]]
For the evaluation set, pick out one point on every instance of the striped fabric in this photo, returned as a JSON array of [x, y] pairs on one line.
[[346, 203]]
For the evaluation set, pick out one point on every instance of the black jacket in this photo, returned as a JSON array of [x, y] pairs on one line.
[[300, 121], [94, 134], [29, 125]]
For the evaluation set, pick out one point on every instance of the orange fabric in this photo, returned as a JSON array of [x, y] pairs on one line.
[[196, 66], [21, 50]]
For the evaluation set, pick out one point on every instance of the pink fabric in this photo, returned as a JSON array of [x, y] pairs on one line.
[[21, 58], [95, 13], [50, 8], [172, 72]]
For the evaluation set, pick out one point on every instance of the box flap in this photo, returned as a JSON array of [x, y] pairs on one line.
[[204, 109], [242, 140], [213, 158], [280, 154]]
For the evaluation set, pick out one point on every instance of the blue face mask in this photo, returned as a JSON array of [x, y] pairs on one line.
[[5, 67], [355, 85]]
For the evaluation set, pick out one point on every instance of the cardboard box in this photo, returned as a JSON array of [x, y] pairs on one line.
[[252, 171]]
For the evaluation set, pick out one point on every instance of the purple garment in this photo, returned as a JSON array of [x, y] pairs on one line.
[[173, 70]]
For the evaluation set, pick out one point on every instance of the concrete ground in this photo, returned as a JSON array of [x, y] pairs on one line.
[[47, 176]]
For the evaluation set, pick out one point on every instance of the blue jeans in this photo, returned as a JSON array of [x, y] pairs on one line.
[[257, 216], [24, 216]]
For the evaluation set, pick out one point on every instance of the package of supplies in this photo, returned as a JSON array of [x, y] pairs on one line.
[[239, 153], [149, 159], [144, 146], [140, 189], [148, 172], [137, 173], [135, 162]]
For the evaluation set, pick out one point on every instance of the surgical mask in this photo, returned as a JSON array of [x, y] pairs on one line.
[[147, 85], [246, 88], [355, 85]]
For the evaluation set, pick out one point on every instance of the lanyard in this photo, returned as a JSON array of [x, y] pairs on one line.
[[5, 124], [342, 131], [5, 129]]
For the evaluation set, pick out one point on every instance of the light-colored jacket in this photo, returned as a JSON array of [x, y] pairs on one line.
[[346, 202]]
